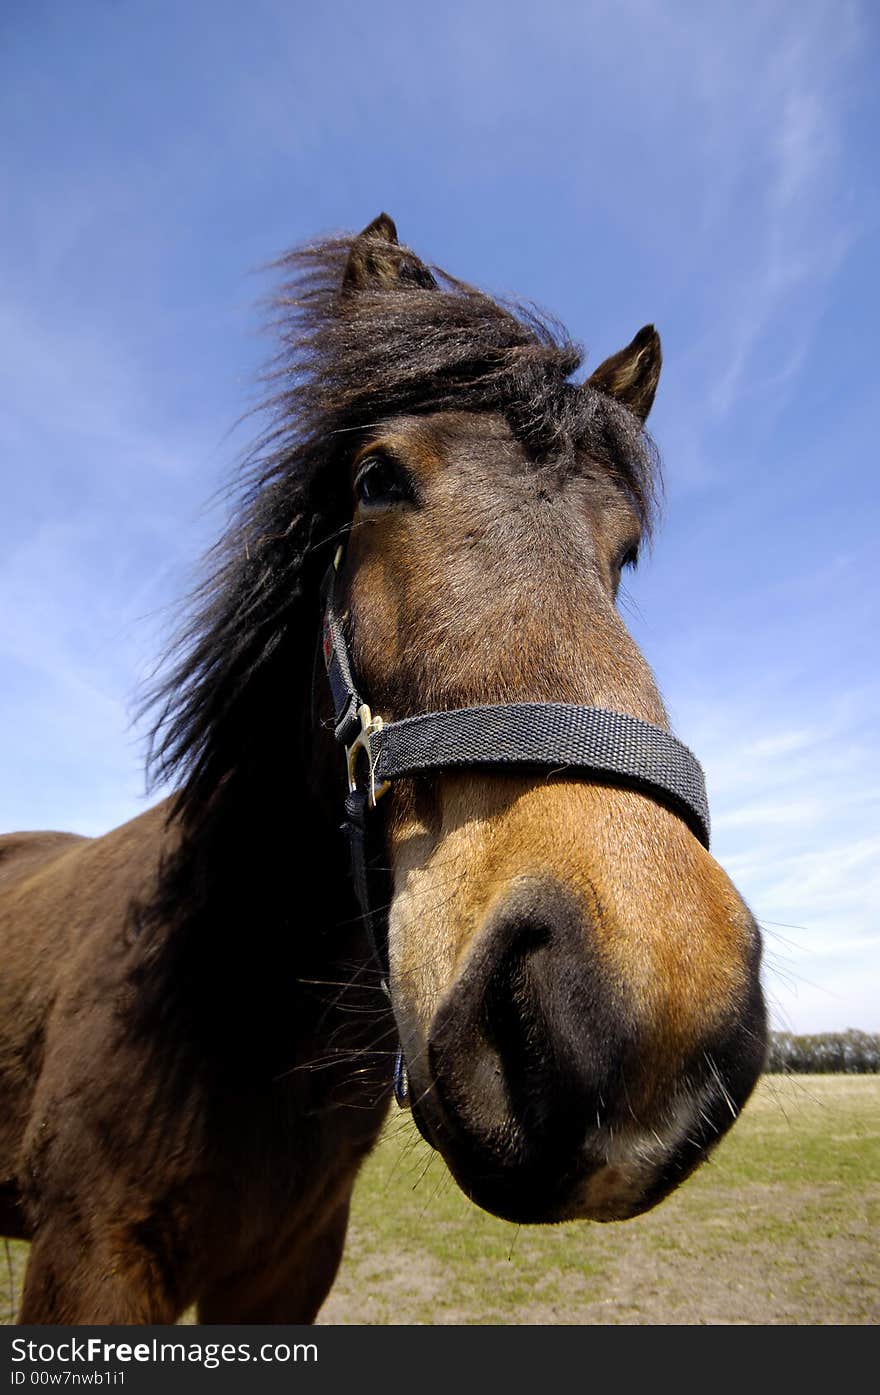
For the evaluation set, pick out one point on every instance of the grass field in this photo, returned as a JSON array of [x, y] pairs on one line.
[[782, 1226]]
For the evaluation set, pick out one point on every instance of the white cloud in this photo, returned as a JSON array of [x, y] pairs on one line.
[[752, 101], [766, 812], [796, 824]]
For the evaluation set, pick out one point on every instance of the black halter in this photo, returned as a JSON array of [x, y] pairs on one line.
[[611, 747]]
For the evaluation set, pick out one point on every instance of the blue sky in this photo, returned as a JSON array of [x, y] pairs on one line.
[[710, 168]]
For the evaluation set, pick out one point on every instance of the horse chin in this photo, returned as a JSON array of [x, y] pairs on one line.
[[534, 1195], [590, 1189], [535, 1191], [550, 1174]]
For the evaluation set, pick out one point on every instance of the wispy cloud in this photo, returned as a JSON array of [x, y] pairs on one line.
[[789, 136], [757, 99], [796, 823]]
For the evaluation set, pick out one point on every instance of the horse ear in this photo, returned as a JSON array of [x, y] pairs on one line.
[[632, 375], [377, 261]]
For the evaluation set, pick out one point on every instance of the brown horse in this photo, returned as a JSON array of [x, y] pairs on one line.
[[196, 1045]]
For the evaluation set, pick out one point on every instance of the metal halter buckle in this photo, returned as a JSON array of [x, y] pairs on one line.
[[370, 725]]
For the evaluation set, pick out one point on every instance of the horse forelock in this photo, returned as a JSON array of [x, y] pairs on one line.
[[403, 348]]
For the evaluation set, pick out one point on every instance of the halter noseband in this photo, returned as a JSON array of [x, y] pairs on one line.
[[613, 747]]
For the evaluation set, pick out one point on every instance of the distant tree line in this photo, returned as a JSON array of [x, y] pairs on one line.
[[849, 1052]]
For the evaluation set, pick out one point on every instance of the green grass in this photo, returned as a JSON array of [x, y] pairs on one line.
[[781, 1226]]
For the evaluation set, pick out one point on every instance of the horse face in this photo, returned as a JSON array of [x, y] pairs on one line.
[[575, 979]]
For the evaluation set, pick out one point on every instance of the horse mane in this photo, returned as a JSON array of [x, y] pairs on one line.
[[347, 358]]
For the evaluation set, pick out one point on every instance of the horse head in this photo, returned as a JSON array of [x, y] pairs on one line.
[[574, 978]]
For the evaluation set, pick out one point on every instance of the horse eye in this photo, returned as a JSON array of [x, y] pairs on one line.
[[629, 557], [379, 481]]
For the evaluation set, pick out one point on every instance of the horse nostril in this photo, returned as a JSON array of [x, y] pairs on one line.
[[522, 1049], [514, 1015], [492, 1055]]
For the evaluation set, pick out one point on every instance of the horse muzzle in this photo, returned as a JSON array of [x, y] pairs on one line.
[[542, 1089]]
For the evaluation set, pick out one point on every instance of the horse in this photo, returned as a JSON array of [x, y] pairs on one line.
[[204, 1014]]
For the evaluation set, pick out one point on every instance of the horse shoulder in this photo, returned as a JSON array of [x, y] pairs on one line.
[[55, 948]]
